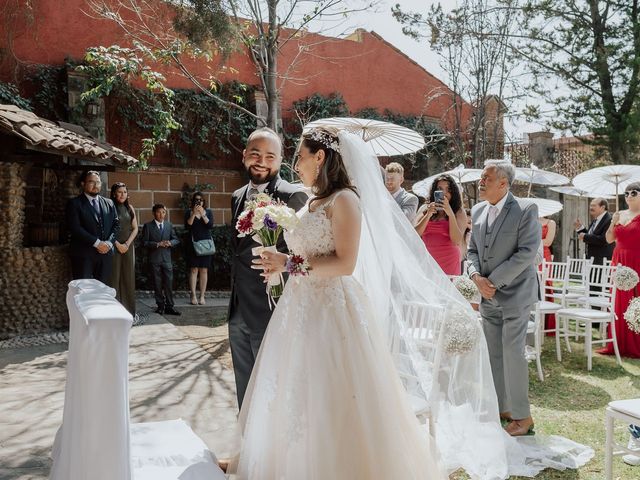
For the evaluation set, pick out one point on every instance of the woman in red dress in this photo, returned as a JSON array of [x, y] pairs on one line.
[[548, 235], [625, 231], [442, 224]]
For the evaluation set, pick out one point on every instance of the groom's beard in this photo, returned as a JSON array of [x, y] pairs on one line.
[[261, 179]]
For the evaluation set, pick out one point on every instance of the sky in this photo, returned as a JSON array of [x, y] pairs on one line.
[[382, 22]]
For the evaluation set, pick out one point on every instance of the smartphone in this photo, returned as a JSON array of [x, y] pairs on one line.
[[438, 196]]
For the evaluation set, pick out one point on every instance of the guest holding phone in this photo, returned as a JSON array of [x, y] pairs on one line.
[[441, 223], [198, 221]]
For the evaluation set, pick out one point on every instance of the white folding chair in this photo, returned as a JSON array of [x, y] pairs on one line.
[[555, 278], [542, 308], [422, 328], [627, 411], [578, 277], [605, 292]]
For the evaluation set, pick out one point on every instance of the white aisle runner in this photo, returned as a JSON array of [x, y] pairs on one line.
[[170, 450]]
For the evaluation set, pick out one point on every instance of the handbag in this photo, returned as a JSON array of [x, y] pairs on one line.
[[204, 247]]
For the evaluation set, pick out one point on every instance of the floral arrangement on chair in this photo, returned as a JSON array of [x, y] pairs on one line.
[[466, 287], [462, 331], [632, 315], [625, 278], [265, 219]]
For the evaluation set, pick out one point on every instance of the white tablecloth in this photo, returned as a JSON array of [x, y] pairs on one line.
[[93, 442]]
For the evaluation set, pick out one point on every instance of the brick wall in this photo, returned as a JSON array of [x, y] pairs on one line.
[[165, 185]]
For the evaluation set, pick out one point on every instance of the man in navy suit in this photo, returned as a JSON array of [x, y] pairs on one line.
[[93, 223], [159, 237]]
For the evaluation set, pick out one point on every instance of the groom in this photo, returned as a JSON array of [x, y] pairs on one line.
[[249, 311], [504, 241]]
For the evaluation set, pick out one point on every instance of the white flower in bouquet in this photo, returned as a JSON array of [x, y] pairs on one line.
[[625, 278], [466, 287], [632, 315], [264, 219], [461, 333]]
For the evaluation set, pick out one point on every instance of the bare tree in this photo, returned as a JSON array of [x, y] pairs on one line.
[[473, 43], [210, 29]]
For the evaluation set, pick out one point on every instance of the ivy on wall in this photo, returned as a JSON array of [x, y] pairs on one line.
[[10, 95]]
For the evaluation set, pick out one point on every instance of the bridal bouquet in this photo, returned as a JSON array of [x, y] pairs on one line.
[[632, 315], [625, 278], [264, 219]]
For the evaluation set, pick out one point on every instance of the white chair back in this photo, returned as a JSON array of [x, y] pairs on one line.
[[602, 286], [422, 330], [578, 274], [554, 279]]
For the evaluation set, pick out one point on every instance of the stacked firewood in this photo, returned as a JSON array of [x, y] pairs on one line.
[[33, 285], [12, 191]]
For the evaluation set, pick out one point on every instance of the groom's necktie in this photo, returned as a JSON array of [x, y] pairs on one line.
[[252, 193], [492, 215]]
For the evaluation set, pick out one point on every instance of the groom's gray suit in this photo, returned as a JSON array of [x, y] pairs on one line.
[[505, 253]]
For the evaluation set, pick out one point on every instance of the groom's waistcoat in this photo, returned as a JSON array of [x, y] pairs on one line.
[[505, 252]]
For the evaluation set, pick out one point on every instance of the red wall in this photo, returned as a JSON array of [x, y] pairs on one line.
[[368, 73]]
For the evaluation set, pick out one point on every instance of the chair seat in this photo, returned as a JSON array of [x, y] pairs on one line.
[[566, 295], [585, 313], [595, 301], [545, 306], [630, 407]]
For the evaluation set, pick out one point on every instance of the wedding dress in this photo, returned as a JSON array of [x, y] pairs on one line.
[[325, 401]]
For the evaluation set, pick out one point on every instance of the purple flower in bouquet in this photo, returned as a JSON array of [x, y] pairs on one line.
[[270, 223]]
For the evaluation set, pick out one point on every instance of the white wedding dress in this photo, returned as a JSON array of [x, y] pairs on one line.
[[325, 401]]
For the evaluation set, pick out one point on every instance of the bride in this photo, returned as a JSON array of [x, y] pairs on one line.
[[347, 361], [325, 400]]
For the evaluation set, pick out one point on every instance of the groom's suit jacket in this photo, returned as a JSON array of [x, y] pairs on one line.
[[248, 291], [506, 255]]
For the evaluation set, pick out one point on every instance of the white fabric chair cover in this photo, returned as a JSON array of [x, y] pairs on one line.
[[93, 441]]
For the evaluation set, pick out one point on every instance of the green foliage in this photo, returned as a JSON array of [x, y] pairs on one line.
[[114, 68], [49, 82], [10, 95], [585, 60]]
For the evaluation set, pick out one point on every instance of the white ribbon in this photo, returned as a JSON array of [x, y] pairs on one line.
[[273, 279]]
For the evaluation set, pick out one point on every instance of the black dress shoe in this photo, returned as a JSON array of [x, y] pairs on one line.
[[160, 310], [172, 311]]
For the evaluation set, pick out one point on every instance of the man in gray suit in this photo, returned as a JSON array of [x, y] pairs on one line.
[[504, 240], [249, 311], [159, 237], [393, 178]]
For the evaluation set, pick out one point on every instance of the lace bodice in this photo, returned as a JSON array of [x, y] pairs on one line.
[[313, 236]]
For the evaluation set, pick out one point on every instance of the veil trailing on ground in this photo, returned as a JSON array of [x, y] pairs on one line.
[[434, 336]]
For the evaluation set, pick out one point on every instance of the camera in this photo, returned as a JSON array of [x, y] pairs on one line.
[[198, 201], [438, 196]]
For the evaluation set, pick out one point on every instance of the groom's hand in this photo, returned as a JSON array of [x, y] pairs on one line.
[[486, 288]]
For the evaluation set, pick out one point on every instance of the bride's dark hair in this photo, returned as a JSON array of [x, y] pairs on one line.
[[333, 174]]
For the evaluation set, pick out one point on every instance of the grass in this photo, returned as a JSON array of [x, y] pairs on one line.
[[571, 403]]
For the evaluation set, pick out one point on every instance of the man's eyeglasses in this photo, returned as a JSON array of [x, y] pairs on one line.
[[93, 182], [631, 193]]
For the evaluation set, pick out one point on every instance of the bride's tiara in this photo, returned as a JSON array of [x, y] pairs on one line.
[[325, 138]]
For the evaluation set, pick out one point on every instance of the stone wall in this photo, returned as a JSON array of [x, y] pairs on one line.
[[165, 185], [33, 281]]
